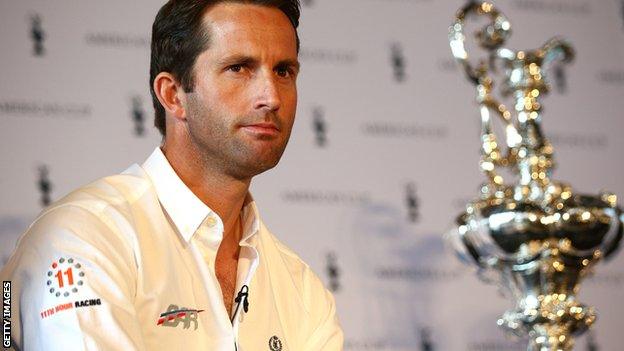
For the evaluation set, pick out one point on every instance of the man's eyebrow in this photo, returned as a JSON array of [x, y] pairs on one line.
[[238, 60], [248, 60], [289, 62]]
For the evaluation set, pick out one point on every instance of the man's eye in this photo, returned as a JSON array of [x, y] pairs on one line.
[[235, 68], [283, 72]]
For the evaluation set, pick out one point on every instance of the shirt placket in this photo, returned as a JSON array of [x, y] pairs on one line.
[[247, 264], [205, 244], [207, 239]]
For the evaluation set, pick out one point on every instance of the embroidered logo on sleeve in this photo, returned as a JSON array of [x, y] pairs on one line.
[[66, 278], [275, 344], [175, 315]]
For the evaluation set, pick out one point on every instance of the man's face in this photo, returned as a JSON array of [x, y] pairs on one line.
[[242, 109]]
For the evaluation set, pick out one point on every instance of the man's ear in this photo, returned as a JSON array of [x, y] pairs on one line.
[[170, 94]]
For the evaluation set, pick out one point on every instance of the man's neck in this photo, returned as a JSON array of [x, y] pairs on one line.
[[222, 193]]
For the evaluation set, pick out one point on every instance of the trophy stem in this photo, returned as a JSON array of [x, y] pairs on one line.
[[543, 339]]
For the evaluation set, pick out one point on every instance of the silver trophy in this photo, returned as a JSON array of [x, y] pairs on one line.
[[530, 234]]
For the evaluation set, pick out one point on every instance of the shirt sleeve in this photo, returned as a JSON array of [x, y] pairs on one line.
[[327, 334], [73, 285]]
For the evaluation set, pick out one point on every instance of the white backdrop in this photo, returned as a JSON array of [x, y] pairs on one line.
[[383, 156]]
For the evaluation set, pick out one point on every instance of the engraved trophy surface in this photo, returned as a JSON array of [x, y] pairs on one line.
[[532, 235]]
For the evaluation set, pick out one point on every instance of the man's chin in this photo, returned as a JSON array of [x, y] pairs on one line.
[[252, 167]]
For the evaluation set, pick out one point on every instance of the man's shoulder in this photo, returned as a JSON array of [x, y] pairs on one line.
[[291, 259], [89, 224], [283, 260], [296, 279], [98, 205], [119, 190], [111, 190]]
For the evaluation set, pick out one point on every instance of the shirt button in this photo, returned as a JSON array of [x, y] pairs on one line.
[[211, 221]]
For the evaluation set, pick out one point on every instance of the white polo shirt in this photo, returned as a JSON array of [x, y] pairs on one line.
[[128, 263]]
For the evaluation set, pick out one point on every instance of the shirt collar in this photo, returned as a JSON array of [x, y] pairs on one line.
[[251, 222], [184, 208]]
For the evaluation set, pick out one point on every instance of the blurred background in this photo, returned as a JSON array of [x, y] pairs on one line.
[[383, 157]]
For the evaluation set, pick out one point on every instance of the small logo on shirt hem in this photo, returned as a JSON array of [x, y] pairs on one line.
[[275, 344]]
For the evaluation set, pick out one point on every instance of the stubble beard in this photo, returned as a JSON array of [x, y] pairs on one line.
[[227, 150]]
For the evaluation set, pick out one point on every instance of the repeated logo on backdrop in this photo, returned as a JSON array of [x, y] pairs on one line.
[[45, 109], [319, 126], [328, 197], [563, 7], [495, 345], [622, 12], [44, 185], [426, 343], [397, 59], [138, 116], [37, 35], [408, 130], [333, 272], [325, 55], [611, 77], [586, 141], [592, 344], [411, 201], [561, 79], [118, 40]]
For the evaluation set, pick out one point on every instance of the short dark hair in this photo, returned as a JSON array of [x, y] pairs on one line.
[[178, 37]]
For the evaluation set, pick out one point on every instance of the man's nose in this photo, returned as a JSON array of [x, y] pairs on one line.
[[268, 96]]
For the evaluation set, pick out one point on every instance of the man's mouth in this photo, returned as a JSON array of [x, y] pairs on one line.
[[262, 129]]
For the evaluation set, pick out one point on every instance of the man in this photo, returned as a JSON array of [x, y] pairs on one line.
[[172, 254]]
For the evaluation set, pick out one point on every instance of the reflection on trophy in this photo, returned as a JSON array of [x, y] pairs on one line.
[[529, 233]]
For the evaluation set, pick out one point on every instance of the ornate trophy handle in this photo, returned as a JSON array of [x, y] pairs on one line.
[[556, 50], [491, 155], [490, 37]]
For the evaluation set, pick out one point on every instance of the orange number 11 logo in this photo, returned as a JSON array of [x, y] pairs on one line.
[[68, 273]]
